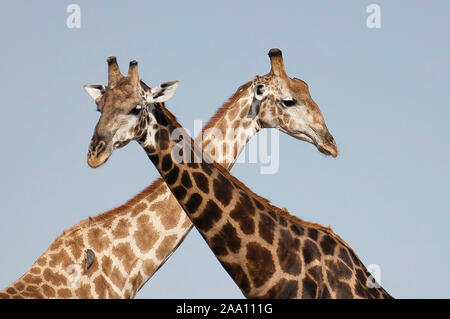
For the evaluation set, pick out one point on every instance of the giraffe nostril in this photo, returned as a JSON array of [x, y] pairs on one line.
[[100, 146], [96, 147]]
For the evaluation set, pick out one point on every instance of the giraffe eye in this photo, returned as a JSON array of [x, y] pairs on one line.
[[137, 110], [289, 103]]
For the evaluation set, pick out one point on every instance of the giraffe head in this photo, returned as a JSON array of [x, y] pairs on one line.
[[122, 105], [285, 103]]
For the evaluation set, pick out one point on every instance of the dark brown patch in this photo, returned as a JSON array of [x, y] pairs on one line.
[[284, 289], [328, 244], [186, 180], [218, 245], [201, 181], [310, 251], [207, 167], [172, 176], [166, 163], [247, 203], [339, 269], [273, 215], [193, 203], [238, 275], [266, 228], [179, 192], [297, 229], [316, 273], [343, 255], [260, 264], [332, 280], [355, 259], [309, 288], [343, 291], [282, 222], [325, 293], [162, 138], [312, 233], [360, 290], [258, 204], [223, 190], [192, 165], [361, 276], [229, 234], [154, 158], [245, 221], [211, 214], [149, 149], [288, 253]]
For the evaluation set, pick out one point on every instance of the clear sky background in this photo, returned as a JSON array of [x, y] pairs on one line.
[[384, 94]]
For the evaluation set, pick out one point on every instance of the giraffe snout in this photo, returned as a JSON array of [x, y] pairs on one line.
[[96, 147], [97, 153], [327, 145]]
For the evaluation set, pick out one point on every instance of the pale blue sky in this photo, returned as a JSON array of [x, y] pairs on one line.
[[383, 92]]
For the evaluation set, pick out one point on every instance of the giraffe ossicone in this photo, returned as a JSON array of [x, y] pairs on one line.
[[267, 252]]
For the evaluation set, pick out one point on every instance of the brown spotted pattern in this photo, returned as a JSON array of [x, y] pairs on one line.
[[167, 223], [267, 252]]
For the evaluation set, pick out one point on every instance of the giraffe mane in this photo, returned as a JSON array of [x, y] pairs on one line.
[[225, 106]]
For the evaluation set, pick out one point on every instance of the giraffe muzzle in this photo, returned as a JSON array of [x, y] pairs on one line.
[[97, 154], [327, 145]]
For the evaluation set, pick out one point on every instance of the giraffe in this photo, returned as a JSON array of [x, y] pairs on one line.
[[266, 251], [112, 255]]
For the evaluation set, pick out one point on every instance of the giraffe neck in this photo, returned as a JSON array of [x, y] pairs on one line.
[[266, 251], [133, 241], [224, 138]]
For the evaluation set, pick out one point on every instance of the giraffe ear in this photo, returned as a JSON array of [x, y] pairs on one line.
[[95, 90], [164, 91], [261, 91]]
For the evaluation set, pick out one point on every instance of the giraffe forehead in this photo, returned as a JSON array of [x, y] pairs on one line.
[[121, 97]]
